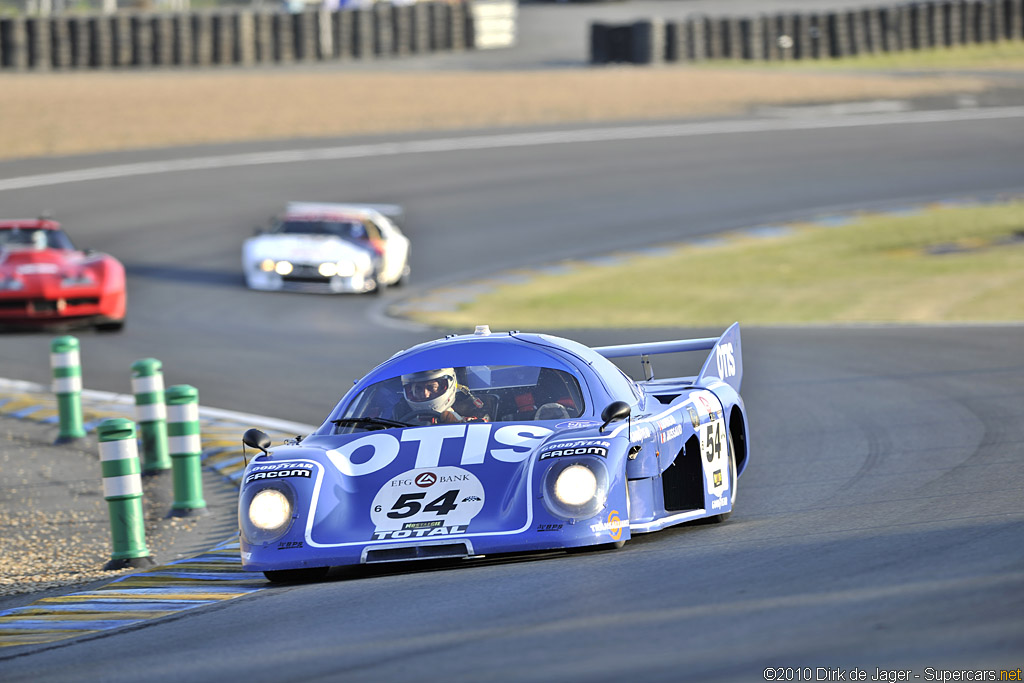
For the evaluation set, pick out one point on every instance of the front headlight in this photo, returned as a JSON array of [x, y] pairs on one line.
[[328, 269], [283, 268], [11, 285], [575, 486], [270, 510], [267, 265], [346, 268]]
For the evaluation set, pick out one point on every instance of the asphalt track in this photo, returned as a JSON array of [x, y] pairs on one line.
[[878, 525]]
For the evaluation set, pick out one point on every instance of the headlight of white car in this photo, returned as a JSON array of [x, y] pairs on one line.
[[283, 267]]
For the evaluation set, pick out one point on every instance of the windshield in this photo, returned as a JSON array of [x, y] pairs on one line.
[[36, 238], [476, 393], [347, 230]]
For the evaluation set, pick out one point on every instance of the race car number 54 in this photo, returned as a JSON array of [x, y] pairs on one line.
[[425, 497]]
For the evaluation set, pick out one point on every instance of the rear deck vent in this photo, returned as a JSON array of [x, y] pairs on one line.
[[666, 398]]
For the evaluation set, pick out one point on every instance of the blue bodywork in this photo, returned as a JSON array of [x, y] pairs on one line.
[[379, 493]]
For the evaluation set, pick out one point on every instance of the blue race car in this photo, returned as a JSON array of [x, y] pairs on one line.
[[486, 443]]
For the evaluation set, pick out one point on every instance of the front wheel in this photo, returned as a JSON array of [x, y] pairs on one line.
[[304, 575]]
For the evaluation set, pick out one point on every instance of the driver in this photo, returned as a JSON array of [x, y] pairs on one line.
[[434, 397]]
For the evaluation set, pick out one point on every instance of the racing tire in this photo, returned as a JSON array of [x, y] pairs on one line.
[[304, 575], [110, 326], [733, 478], [403, 279]]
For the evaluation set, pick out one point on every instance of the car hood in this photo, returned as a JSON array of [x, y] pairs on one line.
[[44, 265], [413, 482], [303, 248]]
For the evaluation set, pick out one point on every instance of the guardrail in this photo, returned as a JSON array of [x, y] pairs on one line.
[[814, 35], [250, 38]]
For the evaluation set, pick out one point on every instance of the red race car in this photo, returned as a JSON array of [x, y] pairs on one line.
[[44, 280]]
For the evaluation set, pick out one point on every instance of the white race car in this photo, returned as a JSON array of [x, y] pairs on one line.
[[329, 248]]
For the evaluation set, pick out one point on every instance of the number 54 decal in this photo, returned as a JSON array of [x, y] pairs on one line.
[[408, 504], [426, 497], [712, 440]]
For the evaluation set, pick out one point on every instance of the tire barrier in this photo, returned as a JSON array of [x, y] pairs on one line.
[[151, 414], [67, 386], [122, 489], [186, 448], [815, 35], [252, 37]]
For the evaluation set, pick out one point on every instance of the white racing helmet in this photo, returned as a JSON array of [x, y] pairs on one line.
[[430, 389]]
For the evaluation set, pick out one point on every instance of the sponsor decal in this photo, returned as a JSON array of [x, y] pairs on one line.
[[640, 433], [613, 525], [289, 545], [726, 360], [666, 422], [246, 556], [719, 503], [672, 433], [382, 534], [705, 403], [423, 525], [577, 442], [694, 417], [278, 474], [549, 527], [577, 424], [472, 444], [717, 477], [38, 269], [280, 466], [600, 451], [425, 500]]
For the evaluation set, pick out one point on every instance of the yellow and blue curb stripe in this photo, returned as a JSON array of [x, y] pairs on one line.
[[211, 577]]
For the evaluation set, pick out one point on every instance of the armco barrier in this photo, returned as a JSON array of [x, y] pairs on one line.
[[247, 37], [812, 35]]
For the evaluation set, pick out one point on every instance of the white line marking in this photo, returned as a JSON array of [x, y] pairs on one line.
[[503, 141]]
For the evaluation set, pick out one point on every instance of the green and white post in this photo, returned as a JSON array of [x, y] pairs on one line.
[[151, 414], [122, 487], [185, 445], [67, 385]]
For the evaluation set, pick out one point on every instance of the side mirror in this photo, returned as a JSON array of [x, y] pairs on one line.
[[613, 412], [254, 438]]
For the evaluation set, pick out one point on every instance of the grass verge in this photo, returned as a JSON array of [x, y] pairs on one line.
[[944, 264]]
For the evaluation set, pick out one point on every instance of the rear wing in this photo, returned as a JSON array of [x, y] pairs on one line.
[[724, 362]]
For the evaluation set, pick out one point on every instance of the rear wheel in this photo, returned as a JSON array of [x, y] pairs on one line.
[[304, 575]]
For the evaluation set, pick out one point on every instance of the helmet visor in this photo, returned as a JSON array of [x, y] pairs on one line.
[[426, 390]]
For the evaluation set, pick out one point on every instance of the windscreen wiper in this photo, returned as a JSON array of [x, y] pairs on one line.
[[370, 422]]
